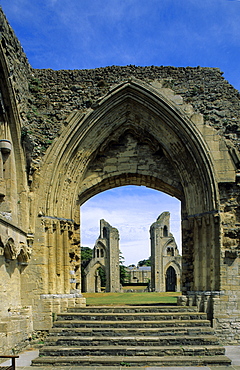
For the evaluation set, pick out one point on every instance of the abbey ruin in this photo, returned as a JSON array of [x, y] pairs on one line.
[[66, 136], [165, 257], [105, 255], [164, 275]]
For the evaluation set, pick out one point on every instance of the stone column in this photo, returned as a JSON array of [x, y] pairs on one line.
[[187, 255], [196, 255], [59, 259], [205, 252], [216, 240], [76, 252], [51, 259], [209, 243], [66, 265], [2, 182]]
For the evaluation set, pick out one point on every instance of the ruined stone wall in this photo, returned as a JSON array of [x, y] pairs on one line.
[[227, 325], [15, 319], [105, 255], [164, 253], [46, 97], [18, 68], [56, 94]]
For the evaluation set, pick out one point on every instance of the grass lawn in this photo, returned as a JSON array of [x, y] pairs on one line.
[[102, 299]]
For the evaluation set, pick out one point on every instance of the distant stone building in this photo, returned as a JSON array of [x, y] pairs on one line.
[[139, 274], [164, 274], [166, 260], [105, 255]]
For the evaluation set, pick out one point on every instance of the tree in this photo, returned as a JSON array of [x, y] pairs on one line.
[[124, 274], [86, 256], [146, 262]]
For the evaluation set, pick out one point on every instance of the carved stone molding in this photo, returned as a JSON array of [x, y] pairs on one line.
[[13, 250], [25, 254]]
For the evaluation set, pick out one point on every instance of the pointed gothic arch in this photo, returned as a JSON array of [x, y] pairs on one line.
[[172, 273], [171, 279], [135, 109], [134, 135]]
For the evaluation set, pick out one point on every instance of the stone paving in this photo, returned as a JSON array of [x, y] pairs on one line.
[[24, 362]]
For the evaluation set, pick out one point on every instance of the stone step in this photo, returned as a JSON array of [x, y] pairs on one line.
[[133, 309], [129, 350], [134, 340], [122, 316], [129, 324], [163, 336], [85, 361], [200, 330]]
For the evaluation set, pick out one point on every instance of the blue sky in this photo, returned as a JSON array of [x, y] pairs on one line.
[[62, 34], [132, 209], [79, 34]]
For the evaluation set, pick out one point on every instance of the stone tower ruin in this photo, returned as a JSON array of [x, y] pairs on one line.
[[105, 255], [165, 257]]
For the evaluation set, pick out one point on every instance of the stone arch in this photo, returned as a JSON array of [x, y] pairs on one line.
[[135, 135], [105, 253], [92, 279], [177, 270], [99, 250], [167, 131], [164, 253], [170, 247]]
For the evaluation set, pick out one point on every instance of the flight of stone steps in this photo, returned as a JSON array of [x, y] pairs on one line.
[[132, 336]]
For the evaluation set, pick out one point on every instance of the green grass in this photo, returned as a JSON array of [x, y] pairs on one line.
[[133, 287], [102, 299]]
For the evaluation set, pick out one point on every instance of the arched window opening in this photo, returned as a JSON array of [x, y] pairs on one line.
[[104, 232], [170, 251], [135, 244], [165, 231]]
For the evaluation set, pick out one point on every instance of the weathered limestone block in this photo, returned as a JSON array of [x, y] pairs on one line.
[[16, 329]]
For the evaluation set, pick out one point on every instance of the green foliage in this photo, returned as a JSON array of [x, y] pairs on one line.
[[86, 256], [35, 85], [124, 274], [25, 132], [121, 258], [86, 253], [102, 275], [146, 262]]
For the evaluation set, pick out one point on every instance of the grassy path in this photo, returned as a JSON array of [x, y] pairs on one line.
[[101, 299]]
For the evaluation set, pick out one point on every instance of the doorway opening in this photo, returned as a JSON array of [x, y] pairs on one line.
[[171, 279], [131, 210]]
